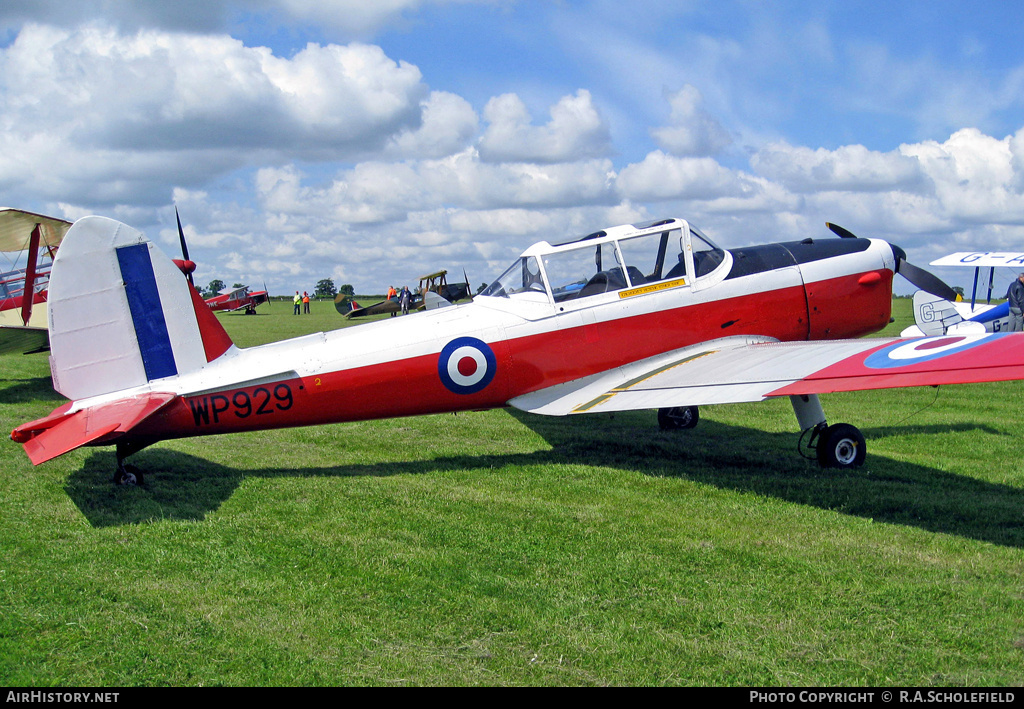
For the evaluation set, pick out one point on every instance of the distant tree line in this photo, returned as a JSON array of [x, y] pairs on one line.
[[325, 288]]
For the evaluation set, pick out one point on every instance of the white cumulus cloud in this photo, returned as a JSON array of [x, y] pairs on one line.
[[692, 131], [576, 131]]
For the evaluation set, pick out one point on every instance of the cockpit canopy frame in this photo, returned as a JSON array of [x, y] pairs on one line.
[[670, 253]]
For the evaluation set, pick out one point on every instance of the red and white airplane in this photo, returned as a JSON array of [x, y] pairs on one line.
[[232, 299], [645, 316]]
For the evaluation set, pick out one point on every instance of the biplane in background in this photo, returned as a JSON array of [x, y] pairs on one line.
[[240, 298], [436, 283], [644, 316], [29, 241], [935, 315]]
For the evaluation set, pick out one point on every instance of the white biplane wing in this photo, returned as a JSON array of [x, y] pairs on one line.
[[982, 259], [734, 370]]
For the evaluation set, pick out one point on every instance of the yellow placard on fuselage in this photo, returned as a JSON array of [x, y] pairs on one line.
[[652, 288]]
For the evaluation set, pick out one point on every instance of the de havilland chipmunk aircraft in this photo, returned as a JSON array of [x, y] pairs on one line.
[[644, 316]]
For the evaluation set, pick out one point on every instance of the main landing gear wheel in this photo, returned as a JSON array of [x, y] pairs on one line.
[[841, 446], [678, 417]]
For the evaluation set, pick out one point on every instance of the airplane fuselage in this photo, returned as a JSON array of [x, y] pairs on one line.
[[481, 355]]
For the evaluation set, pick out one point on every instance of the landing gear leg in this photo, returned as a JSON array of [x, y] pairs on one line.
[[838, 446]]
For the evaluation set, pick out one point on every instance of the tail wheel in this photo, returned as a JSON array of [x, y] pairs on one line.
[[678, 417], [128, 475], [841, 446]]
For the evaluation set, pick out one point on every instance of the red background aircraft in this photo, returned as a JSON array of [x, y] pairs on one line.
[[231, 299]]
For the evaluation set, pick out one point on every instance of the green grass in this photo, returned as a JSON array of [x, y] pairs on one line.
[[499, 548]]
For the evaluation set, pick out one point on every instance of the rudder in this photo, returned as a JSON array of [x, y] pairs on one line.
[[121, 313]]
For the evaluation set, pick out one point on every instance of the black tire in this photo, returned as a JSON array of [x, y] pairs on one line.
[[678, 418], [128, 475], [841, 446]]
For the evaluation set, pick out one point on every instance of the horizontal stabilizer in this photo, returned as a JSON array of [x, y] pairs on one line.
[[61, 431]]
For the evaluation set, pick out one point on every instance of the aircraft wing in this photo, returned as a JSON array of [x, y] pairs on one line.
[[61, 431], [16, 227], [740, 369], [982, 259]]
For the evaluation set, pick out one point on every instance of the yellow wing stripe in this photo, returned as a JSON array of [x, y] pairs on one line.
[[625, 386]]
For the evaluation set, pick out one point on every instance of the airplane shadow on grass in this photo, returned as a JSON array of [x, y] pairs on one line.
[[28, 389], [186, 487]]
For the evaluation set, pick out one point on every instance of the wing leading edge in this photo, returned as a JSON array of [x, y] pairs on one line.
[[734, 370]]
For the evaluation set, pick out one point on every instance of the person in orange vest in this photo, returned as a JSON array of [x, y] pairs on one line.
[[305, 302], [391, 294]]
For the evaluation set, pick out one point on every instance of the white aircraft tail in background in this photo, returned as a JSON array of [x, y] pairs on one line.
[[934, 315]]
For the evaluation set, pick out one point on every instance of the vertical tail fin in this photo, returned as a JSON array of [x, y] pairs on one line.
[[122, 314], [934, 315]]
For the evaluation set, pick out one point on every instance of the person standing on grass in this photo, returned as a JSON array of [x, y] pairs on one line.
[[392, 293], [297, 301], [1015, 294], [305, 302]]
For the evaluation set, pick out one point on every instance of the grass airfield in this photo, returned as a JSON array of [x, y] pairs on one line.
[[500, 548]]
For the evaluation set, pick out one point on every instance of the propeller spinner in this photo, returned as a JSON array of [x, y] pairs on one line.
[[917, 276]]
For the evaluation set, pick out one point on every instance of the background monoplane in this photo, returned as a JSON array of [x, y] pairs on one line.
[[430, 283]]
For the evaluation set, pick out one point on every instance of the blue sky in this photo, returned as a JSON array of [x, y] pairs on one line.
[[373, 142]]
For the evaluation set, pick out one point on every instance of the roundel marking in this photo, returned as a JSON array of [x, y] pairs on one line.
[[903, 354], [466, 365]]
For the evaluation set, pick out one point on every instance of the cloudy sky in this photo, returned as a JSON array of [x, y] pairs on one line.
[[371, 142]]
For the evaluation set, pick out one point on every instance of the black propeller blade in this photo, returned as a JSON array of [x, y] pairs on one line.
[[924, 280], [184, 246], [917, 276], [840, 231]]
